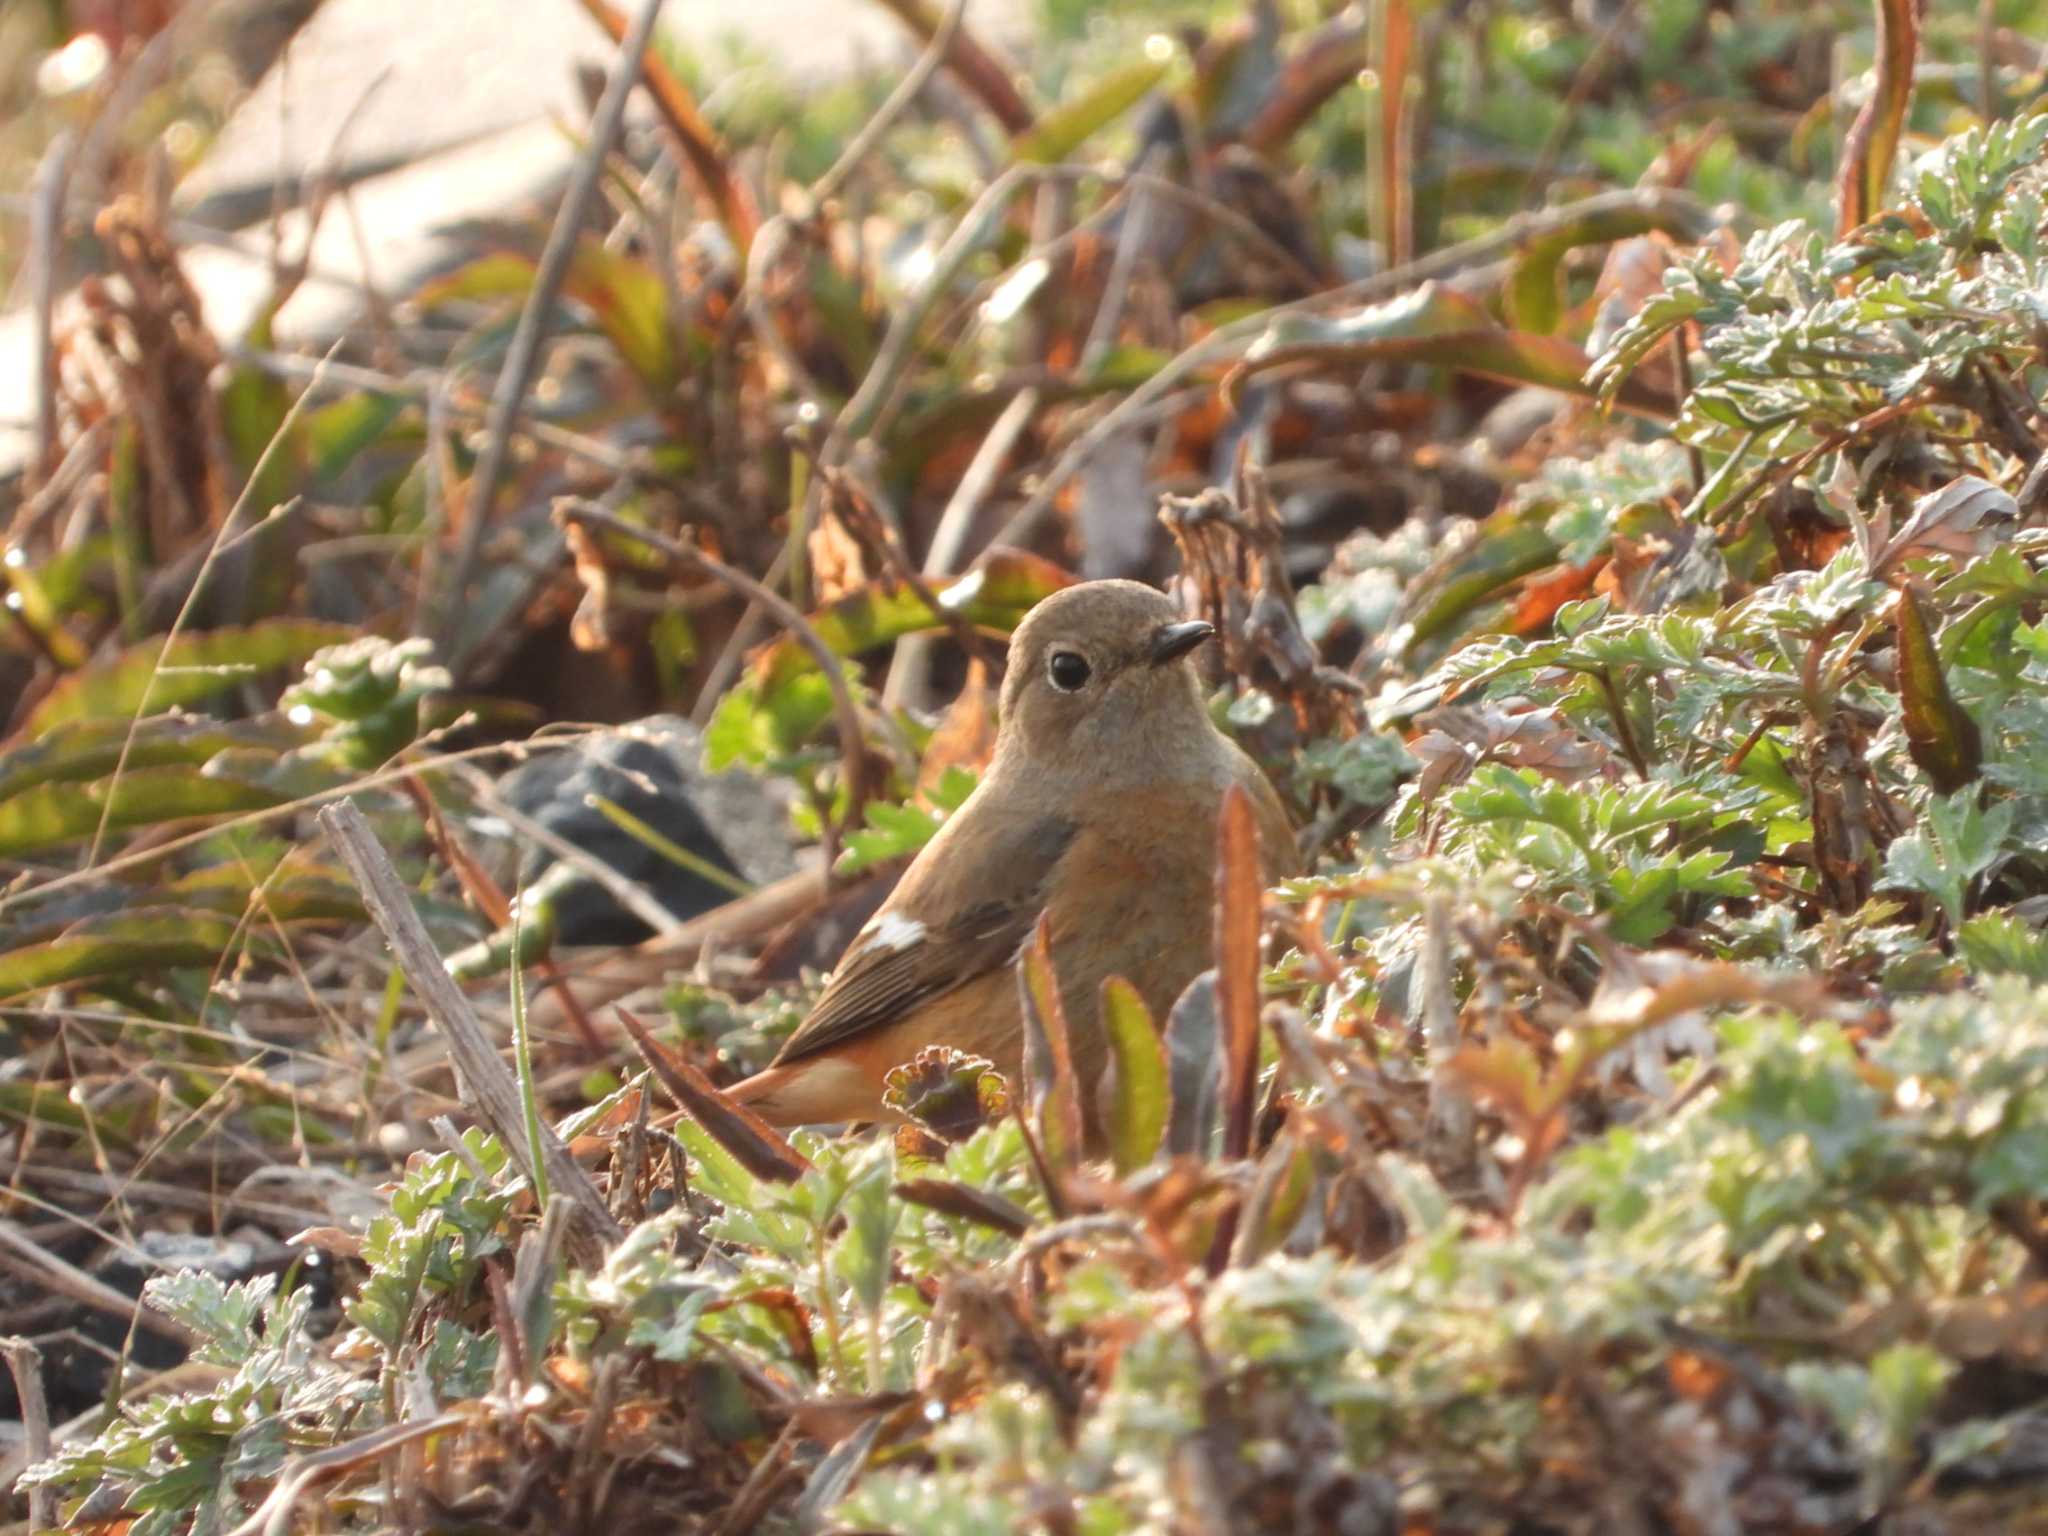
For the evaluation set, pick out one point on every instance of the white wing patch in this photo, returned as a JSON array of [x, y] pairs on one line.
[[891, 931]]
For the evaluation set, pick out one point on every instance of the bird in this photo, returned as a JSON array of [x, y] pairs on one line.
[[1098, 809]]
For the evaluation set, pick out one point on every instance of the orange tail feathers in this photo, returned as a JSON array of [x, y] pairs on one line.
[[816, 1090]]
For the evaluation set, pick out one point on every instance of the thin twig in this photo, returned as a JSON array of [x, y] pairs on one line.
[[629, 894], [1451, 1115], [911, 665], [949, 538], [1226, 341], [79, 460], [727, 666], [616, 974], [702, 151], [990, 80], [1109, 313], [140, 858], [862, 414], [429, 385], [524, 353], [1583, 81], [141, 77], [273, 1516], [210, 1203], [827, 186], [1226, 219], [25, 1362], [45, 254], [41, 1267], [852, 742]]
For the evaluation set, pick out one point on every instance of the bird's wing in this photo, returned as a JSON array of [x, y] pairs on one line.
[[938, 931]]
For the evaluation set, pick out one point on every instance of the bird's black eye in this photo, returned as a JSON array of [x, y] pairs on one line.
[[1068, 671]]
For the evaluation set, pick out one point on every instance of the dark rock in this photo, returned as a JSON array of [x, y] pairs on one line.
[[654, 770]]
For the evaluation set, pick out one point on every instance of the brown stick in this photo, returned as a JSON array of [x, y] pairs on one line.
[[25, 1361], [487, 1083], [972, 64], [702, 149], [524, 353], [46, 253], [40, 1266]]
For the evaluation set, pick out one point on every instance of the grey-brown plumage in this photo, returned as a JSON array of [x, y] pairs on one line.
[[1099, 808]]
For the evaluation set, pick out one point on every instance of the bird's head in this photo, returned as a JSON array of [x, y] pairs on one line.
[[1098, 679]]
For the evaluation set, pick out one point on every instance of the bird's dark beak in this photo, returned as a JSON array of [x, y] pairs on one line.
[[1170, 642]]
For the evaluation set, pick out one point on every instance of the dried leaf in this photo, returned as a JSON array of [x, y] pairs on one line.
[[1947, 521], [1458, 738], [1237, 966], [968, 1203], [757, 1146], [950, 1093], [1193, 1037], [1054, 1094], [1943, 739], [1505, 1074], [1874, 137]]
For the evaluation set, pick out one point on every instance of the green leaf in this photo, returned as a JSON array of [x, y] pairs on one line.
[[46, 815], [89, 749], [1534, 296], [1061, 130], [1136, 1095], [336, 433], [146, 941], [760, 730], [1506, 547], [1957, 841], [718, 1173], [226, 1315], [154, 676], [1942, 738], [253, 407], [624, 295], [864, 1251], [1442, 326], [2003, 944], [896, 831]]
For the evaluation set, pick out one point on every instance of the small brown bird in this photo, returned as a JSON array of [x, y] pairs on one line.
[[1099, 808]]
